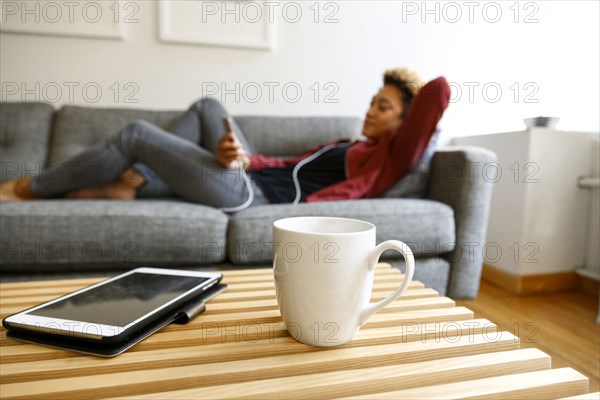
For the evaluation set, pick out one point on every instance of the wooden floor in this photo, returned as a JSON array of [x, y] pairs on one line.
[[560, 324]]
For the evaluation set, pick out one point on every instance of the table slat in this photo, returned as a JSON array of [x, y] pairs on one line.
[[548, 384], [380, 291], [410, 333], [371, 380]]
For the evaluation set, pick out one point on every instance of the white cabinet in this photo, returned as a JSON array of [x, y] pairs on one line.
[[539, 217]]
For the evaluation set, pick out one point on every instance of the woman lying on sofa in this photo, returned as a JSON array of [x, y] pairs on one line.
[[205, 163]]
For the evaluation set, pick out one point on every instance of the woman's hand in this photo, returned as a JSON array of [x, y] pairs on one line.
[[231, 153]]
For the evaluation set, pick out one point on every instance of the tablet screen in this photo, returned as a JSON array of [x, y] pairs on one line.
[[122, 301]]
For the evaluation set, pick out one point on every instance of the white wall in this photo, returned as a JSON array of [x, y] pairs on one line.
[[554, 60]]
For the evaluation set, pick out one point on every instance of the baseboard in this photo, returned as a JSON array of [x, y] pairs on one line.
[[501, 278], [531, 284], [590, 286]]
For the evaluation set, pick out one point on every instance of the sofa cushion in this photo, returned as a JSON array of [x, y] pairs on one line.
[[426, 226], [24, 132], [76, 128], [291, 136], [73, 235]]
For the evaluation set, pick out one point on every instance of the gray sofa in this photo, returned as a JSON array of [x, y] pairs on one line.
[[440, 209]]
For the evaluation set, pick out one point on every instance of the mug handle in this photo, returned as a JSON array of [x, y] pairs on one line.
[[373, 258]]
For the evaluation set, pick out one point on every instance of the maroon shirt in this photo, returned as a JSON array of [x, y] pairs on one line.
[[373, 166]]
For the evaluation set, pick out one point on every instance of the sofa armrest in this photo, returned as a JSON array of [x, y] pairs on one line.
[[458, 178]]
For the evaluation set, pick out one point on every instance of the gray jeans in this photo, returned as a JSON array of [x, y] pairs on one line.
[[182, 161]]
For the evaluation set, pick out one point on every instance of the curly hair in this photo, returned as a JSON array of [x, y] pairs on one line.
[[408, 81]]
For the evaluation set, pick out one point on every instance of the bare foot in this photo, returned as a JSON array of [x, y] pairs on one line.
[[7, 191], [123, 189], [16, 190], [132, 177]]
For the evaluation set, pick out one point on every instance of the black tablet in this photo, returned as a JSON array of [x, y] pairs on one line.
[[117, 310]]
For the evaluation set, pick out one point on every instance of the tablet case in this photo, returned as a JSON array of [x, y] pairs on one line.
[[183, 316]]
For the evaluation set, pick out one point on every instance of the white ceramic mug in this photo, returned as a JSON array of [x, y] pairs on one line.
[[324, 269]]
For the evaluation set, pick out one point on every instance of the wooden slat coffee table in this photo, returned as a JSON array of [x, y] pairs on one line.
[[420, 346]]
